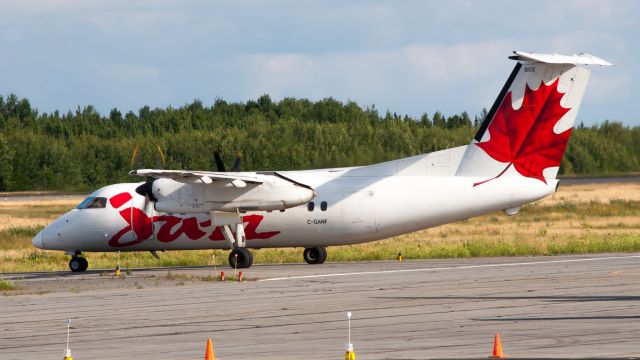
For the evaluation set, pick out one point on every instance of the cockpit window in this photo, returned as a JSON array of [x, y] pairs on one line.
[[93, 203], [84, 203]]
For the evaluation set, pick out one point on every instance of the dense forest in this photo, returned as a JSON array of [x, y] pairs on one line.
[[83, 150]]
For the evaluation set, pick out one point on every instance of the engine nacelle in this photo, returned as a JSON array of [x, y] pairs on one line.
[[195, 196]]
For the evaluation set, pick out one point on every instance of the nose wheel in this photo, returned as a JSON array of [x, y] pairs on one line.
[[316, 255], [78, 264]]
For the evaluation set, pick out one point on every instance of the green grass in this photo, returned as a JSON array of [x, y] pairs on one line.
[[6, 285], [36, 211], [615, 207], [486, 247], [18, 237]]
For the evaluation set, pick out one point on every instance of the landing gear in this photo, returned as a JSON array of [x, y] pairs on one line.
[[316, 255], [78, 264], [240, 258]]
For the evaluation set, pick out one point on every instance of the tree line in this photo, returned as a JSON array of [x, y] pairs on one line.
[[81, 150]]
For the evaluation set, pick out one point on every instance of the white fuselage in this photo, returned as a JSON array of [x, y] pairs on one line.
[[352, 205]]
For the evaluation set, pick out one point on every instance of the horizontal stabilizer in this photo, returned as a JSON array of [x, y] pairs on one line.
[[581, 59]]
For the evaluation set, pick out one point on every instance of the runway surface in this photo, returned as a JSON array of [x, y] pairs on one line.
[[572, 306]]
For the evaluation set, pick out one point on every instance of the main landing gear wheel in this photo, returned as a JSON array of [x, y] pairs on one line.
[[78, 264], [316, 255], [240, 258]]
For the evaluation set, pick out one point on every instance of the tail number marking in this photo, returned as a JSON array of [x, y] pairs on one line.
[[317, 222]]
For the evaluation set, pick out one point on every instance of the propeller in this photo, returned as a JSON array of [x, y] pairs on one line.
[[138, 158], [146, 189], [220, 164]]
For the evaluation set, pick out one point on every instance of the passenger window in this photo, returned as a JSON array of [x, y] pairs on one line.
[[93, 203], [310, 206], [323, 206]]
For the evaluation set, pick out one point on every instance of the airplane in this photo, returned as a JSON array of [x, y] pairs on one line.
[[512, 160]]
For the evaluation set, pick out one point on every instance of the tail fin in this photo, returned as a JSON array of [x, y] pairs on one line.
[[527, 129]]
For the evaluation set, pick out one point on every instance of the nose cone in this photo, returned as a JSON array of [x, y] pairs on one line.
[[37, 241]]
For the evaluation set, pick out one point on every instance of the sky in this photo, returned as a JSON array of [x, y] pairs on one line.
[[408, 57]]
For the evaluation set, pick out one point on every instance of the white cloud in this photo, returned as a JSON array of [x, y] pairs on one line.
[[390, 78]]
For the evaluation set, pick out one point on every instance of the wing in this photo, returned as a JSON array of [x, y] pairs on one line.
[[238, 180]]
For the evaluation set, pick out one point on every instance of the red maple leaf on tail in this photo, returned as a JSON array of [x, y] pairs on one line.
[[524, 138]]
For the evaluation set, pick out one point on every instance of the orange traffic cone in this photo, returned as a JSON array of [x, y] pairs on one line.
[[497, 349], [208, 354]]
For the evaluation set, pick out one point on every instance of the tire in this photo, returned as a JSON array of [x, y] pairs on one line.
[[316, 255], [244, 258], [76, 264], [84, 263]]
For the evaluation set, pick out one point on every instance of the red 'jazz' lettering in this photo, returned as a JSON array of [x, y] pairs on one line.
[[216, 235], [252, 224], [142, 226], [188, 226]]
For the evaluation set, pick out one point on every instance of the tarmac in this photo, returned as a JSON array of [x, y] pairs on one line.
[[559, 307]]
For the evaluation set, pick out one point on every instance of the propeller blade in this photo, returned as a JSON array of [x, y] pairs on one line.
[[236, 163], [219, 163], [134, 154], [162, 158]]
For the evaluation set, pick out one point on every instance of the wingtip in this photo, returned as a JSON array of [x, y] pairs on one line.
[[138, 172]]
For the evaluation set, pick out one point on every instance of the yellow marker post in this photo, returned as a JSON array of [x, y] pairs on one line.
[[215, 269], [349, 354], [117, 272], [67, 353], [235, 266]]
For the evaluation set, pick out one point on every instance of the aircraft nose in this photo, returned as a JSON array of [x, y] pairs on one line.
[[37, 241]]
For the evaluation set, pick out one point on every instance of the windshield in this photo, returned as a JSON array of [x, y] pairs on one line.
[[93, 203]]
